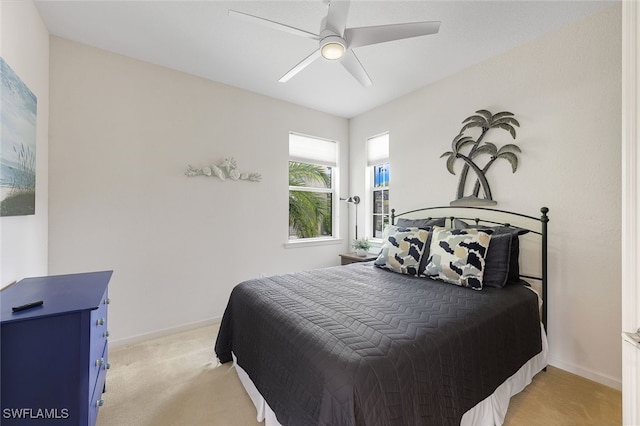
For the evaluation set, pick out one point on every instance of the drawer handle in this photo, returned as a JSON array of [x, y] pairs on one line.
[[105, 334], [107, 301], [107, 366], [100, 403], [99, 362], [100, 321]]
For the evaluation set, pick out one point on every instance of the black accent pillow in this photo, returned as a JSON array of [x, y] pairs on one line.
[[514, 264], [502, 263], [461, 224], [497, 263], [420, 223]]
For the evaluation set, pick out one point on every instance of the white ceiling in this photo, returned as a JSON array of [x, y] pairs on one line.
[[199, 38]]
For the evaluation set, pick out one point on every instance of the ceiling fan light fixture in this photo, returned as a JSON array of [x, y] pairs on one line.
[[332, 47]]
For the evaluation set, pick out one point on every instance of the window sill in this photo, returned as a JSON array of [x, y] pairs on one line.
[[311, 242], [376, 242]]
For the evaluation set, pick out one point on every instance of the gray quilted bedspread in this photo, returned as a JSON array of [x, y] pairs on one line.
[[358, 345]]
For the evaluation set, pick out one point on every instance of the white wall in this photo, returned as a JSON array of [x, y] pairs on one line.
[[122, 135], [25, 48], [565, 89]]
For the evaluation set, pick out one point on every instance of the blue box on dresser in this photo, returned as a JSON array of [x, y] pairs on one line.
[[54, 356]]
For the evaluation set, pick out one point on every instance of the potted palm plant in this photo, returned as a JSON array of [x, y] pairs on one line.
[[362, 246]]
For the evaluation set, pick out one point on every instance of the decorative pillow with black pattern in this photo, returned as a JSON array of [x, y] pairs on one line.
[[456, 256], [402, 249], [502, 263]]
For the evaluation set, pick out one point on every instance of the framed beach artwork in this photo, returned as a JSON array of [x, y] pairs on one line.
[[17, 145]]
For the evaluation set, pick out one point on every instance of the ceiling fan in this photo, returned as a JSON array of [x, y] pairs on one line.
[[337, 42]]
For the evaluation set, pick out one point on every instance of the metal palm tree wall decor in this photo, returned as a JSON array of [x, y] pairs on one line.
[[479, 148]]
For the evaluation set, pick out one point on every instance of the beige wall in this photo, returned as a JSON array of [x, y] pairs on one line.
[[25, 48], [565, 89], [122, 135]]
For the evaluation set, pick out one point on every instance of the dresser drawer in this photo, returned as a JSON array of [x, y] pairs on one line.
[[98, 335], [98, 330], [99, 365], [96, 401]]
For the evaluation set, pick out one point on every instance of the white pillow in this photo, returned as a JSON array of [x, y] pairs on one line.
[[402, 249], [456, 256]]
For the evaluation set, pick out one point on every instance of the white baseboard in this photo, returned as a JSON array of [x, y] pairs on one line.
[[116, 343], [604, 379]]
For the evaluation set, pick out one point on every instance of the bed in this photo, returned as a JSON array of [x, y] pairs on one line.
[[442, 328]]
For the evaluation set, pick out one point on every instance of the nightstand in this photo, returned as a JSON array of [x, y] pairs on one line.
[[347, 258]]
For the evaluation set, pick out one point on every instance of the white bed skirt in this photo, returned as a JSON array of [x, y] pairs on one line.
[[488, 412]]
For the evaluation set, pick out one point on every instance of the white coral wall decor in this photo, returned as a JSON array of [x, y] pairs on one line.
[[225, 170]]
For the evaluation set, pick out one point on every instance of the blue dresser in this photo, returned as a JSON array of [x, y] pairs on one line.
[[54, 356]]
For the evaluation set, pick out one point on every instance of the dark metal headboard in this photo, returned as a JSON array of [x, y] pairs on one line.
[[467, 215]]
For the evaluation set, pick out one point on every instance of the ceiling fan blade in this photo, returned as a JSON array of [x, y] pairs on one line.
[[302, 65], [352, 64], [274, 25], [337, 16], [365, 36]]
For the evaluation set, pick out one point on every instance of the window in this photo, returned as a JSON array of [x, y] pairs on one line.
[[312, 183], [381, 212], [378, 162]]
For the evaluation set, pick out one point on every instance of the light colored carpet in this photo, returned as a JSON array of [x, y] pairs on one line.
[[175, 381], [556, 397]]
